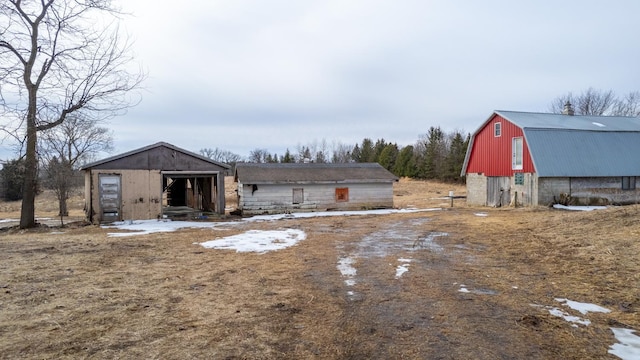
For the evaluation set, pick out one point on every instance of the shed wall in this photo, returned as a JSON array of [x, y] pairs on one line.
[[141, 194], [278, 198]]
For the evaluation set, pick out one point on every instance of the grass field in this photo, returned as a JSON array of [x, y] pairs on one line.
[[455, 283]]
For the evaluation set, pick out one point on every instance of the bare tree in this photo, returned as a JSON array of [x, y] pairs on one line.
[[598, 102], [77, 140], [258, 156], [220, 155], [56, 58], [58, 178], [341, 152], [628, 105], [64, 147]]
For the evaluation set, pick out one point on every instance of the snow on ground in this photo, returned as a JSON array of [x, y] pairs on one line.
[[583, 308], [144, 227], [403, 268], [258, 241], [568, 317], [578, 208], [628, 347], [345, 266]]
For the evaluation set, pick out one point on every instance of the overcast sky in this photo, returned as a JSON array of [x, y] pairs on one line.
[[245, 74]]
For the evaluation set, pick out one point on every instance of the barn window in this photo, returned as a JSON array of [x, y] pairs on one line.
[[516, 150], [298, 195], [628, 183], [497, 129], [342, 194]]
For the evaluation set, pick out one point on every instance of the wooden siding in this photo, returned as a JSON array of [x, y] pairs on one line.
[[278, 198], [141, 194], [491, 155]]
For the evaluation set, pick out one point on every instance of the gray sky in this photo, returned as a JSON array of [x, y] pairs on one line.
[[245, 74]]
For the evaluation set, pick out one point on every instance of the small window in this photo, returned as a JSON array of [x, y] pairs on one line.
[[497, 129], [342, 194], [516, 163], [298, 195], [628, 183]]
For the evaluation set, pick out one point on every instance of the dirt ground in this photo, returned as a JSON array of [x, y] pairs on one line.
[[479, 285]]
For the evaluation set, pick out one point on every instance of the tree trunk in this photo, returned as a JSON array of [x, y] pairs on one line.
[[27, 213], [62, 204]]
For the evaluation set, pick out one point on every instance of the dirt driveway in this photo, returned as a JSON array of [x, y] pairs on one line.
[[456, 283]]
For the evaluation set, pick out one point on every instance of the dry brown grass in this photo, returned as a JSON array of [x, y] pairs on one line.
[[77, 293]]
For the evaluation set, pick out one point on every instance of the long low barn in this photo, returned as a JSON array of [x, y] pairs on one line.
[[279, 188]]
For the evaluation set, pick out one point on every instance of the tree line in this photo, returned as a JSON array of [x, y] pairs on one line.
[[436, 155]]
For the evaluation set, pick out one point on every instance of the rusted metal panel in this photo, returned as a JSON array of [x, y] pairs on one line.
[[491, 155]]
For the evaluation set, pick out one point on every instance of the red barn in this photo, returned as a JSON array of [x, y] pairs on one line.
[[537, 158]]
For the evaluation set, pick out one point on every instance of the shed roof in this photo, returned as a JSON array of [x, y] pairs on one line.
[[577, 145], [158, 156], [287, 173]]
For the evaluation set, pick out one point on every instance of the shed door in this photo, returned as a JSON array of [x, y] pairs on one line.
[[498, 191], [110, 197], [298, 195]]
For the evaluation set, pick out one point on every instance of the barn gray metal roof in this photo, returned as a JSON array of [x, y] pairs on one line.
[[580, 145], [287, 173], [579, 153], [526, 120]]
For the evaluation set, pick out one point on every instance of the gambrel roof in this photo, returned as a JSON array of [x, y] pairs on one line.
[[300, 173], [577, 145], [158, 156]]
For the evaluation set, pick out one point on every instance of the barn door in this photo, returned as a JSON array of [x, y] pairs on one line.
[[110, 197], [498, 191]]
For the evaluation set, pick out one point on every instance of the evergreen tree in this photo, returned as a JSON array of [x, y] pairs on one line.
[[356, 153], [287, 158], [455, 158], [388, 156], [405, 165], [378, 148], [12, 175], [367, 151]]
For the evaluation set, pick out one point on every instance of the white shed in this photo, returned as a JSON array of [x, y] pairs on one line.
[[285, 187]]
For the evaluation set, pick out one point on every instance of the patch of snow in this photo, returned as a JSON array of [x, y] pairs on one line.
[[583, 308], [628, 347], [578, 208], [463, 289], [144, 227], [346, 269], [8, 220], [401, 269], [481, 214], [570, 318], [258, 241]]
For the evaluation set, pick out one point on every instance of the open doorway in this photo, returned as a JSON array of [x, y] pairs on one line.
[[189, 195]]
